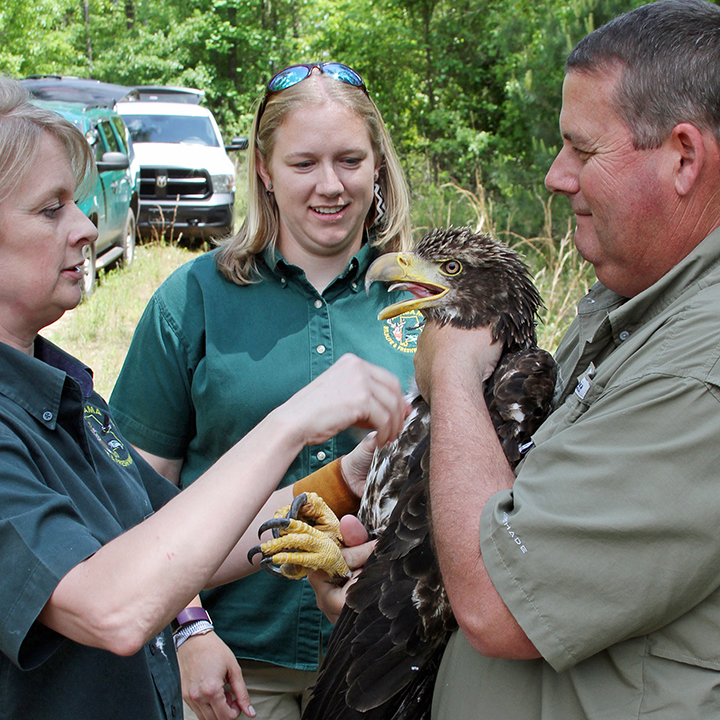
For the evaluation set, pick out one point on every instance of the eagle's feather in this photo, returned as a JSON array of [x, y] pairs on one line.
[[386, 647]]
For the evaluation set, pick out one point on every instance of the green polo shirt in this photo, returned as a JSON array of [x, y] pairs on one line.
[[209, 360], [70, 483], [606, 549]]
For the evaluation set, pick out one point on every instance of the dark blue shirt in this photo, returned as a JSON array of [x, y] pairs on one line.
[[69, 484]]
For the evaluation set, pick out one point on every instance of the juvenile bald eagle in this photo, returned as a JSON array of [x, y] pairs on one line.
[[386, 647]]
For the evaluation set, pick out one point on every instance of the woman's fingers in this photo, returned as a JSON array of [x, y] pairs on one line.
[[355, 464], [353, 392]]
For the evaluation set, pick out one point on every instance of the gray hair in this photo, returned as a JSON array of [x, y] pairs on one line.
[[668, 53], [21, 126], [237, 259]]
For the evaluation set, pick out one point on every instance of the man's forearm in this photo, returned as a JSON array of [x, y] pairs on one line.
[[467, 467]]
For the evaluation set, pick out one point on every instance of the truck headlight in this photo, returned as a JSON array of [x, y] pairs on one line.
[[223, 183]]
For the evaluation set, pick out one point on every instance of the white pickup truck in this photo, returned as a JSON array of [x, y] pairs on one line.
[[187, 180]]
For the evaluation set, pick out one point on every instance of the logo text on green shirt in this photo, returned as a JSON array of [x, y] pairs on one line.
[[402, 331], [101, 426]]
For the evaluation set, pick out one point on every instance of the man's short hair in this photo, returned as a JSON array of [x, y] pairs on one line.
[[668, 53]]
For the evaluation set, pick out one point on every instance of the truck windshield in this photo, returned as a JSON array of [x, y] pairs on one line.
[[171, 129]]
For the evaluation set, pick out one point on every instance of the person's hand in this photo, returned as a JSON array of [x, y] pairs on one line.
[[463, 354], [206, 665], [329, 596], [352, 392], [356, 463]]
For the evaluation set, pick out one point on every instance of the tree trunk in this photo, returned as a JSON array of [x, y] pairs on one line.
[[129, 14], [232, 50], [86, 13]]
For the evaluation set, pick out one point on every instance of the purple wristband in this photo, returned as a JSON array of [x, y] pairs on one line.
[[190, 614]]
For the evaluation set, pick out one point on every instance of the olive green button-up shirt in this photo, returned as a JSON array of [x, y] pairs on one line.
[[209, 360], [607, 549]]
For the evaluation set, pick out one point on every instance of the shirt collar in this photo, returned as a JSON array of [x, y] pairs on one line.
[[353, 273], [36, 383], [684, 278], [605, 319]]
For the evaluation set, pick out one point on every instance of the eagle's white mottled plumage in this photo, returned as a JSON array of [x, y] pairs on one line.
[[381, 492]]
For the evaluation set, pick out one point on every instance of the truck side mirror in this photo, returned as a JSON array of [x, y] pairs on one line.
[[113, 161], [237, 143]]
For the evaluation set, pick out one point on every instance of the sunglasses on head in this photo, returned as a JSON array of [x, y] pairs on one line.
[[297, 73]]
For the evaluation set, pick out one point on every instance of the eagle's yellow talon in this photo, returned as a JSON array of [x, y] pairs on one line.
[[282, 512], [312, 541]]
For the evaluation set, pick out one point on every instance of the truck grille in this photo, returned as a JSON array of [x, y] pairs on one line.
[[172, 183]]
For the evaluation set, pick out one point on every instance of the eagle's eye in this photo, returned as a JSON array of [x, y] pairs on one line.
[[450, 267]]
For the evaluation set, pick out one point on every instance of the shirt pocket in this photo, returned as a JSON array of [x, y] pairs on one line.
[[575, 406], [680, 680]]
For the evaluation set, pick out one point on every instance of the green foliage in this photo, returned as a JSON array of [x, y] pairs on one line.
[[40, 36], [470, 89]]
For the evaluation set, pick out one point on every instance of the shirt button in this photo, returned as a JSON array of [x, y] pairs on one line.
[[321, 456], [47, 416], [354, 286], [624, 335], [318, 303], [152, 649], [321, 349], [173, 710]]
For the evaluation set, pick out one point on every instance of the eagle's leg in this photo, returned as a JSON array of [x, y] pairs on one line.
[[306, 536]]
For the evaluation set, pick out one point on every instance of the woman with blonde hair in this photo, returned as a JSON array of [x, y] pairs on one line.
[[390, 224], [236, 332]]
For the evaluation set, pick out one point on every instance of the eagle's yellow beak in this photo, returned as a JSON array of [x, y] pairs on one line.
[[406, 271]]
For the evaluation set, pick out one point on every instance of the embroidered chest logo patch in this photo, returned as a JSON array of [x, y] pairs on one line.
[[402, 331], [102, 427]]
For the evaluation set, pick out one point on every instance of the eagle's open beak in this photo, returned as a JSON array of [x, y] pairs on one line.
[[406, 271]]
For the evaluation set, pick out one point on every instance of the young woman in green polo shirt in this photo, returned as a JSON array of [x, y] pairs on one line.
[[234, 333]]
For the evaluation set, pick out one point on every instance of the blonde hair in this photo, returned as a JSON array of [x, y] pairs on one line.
[[21, 126], [237, 259]]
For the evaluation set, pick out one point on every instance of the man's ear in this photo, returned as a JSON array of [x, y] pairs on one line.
[[689, 148]]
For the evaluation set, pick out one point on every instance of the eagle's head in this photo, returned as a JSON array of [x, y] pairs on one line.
[[464, 278]]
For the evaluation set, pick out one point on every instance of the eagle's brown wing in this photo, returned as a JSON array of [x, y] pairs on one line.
[[519, 397], [385, 649]]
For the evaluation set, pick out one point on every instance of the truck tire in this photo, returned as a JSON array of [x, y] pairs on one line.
[[128, 241]]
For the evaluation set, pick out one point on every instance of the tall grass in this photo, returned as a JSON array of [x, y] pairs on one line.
[[561, 275], [99, 330]]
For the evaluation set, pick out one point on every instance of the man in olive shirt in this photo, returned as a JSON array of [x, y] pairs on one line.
[[588, 585]]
